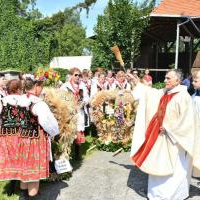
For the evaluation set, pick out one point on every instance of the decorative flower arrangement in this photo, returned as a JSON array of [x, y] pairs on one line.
[[113, 113], [51, 76]]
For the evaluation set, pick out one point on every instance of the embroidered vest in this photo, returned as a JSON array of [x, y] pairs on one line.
[[120, 88], [16, 120]]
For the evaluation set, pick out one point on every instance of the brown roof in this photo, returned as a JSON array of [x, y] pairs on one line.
[[178, 7]]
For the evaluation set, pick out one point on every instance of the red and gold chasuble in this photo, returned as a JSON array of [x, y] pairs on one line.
[[153, 130]]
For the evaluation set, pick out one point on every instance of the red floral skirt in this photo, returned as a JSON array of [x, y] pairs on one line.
[[25, 159]]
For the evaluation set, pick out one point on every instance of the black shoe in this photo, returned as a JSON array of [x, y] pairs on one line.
[[11, 188], [24, 195], [77, 152]]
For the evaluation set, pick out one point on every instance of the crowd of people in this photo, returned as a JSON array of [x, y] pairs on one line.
[[165, 141]]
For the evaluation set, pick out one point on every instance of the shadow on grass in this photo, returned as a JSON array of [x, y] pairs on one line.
[[10, 190], [77, 158]]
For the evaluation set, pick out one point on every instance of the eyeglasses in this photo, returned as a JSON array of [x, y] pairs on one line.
[[77, 75]]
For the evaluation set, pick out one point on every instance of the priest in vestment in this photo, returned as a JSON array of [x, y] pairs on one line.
[[166, 137]]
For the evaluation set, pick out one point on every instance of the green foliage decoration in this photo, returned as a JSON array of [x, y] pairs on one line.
[[112, 147], [109, 147]]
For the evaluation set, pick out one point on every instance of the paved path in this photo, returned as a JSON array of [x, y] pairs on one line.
[[103, 177]]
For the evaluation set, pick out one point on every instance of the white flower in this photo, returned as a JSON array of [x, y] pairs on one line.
[[109, 110], [107, 142]]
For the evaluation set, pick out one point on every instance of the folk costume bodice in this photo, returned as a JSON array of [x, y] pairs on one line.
[[18, 120], [111, 82], [87, 84], [102, 86], [23, 112], [78, 90], [122, 85]]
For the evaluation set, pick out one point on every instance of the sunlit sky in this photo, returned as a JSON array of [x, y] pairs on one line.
[[49, 7]]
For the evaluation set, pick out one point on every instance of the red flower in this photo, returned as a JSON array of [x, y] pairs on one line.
[[46, 74], [14, 111], [21, 115]]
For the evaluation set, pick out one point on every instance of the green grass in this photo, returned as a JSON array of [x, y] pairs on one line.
[[3, 195]]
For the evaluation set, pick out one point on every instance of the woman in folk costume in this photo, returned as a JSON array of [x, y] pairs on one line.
[[77, 87], [99, 85], [86, 80], [111, 80], [166, 137], [121, 83], [97, 71], [27, 123]]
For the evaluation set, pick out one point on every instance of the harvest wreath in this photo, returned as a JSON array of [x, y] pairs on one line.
[[113, 113]]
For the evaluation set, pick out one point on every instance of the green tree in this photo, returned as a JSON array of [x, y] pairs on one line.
[[122, 24], [26, 39], [70, 40], [66, 32], [19, 46], [23, 8]]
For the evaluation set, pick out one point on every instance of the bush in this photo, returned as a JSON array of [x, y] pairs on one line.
[[159, 85]]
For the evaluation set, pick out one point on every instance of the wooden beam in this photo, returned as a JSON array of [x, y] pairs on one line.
[[156, 70], [190, 55], [153, 37]]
